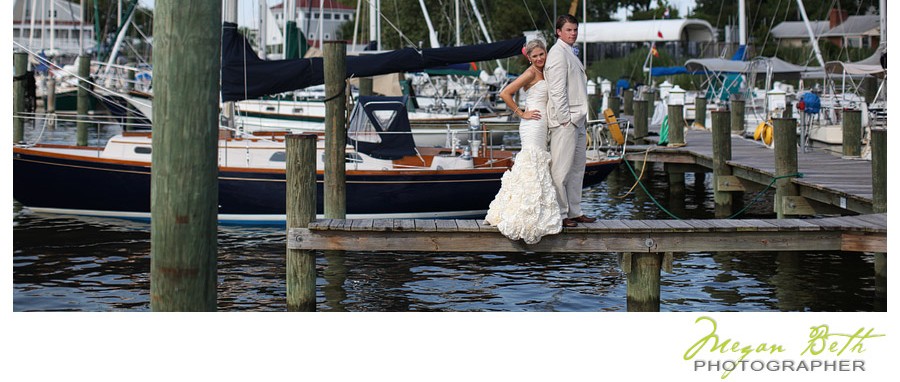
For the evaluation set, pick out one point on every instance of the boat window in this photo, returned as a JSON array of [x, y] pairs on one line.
[[298, 110], [278, 156], [270, 108], [385, 118], [142, 150]]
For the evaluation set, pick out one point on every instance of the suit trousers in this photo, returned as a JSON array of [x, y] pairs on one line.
[[568, 145]]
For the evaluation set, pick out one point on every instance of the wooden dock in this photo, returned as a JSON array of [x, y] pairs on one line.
[[831, 184], [862, 233]]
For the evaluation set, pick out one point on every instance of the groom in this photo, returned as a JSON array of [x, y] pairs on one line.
[[567, 111]]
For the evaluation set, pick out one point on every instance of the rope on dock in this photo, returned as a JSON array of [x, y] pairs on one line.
[[735, 215]]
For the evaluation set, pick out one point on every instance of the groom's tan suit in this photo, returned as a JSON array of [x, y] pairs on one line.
[[567, 110]]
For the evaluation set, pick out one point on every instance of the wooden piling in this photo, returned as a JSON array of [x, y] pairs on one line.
[[594, 102], [84, 101], [721, 145], [676, 126], [642, 291], [785, 161], [615, 105], [628, 107], [700, 112], [851, 126], [184, 187], [878, 144], [20, 66], [300, 211], [366, 86], [641, 120], [737, 116], [676, 189], [334, 58], [50, 104], [129, 85]]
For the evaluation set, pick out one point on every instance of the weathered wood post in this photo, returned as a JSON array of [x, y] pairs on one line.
[[20, 66], [334, 60], [721, 145], [642, 291], [676, 125], [879, 205], [594, 102], [699, 112], [851, 127], [300, 211], [641, 120], [869, 88], [785, 161], [737, 116], [676, 188], [615, 105], [366, 86], [184, 187], [129, 85], [628, 95], [50, 104], [84, 101]]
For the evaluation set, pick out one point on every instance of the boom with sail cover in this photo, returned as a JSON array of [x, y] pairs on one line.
[[246, 76]]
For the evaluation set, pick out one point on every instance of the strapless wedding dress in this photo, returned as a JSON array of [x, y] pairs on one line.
[[526, 207]]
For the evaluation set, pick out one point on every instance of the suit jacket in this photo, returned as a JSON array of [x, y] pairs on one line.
[[567, 84]]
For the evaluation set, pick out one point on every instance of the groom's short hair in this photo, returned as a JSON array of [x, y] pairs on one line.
[[563, 19]]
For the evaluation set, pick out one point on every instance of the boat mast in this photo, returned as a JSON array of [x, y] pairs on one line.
[[288, 13], [52, 26], [262, 25], [432, 35], [33, 14], [321, 24], [230, 14], [484, 30], [812, 36], [375, 23], [458, 40], [356, 18], [882, 16], [742, 23]]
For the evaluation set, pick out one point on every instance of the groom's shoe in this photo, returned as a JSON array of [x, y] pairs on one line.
[[583, 219], [569, 223]]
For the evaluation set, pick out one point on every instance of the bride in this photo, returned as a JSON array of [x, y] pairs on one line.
[[526, 207]]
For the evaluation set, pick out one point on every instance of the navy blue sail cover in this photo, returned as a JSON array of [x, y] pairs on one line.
[[387, 117], [265, 77]]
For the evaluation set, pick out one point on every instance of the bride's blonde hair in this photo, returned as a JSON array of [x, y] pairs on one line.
[[536, 43]]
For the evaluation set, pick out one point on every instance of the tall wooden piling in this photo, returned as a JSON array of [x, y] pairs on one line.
[[721, 145], [300, 211], [366, 86], [700, 112], [737, 116], [642, 291], [878, 144], [641, 119], [676, 188], [20, 66], [676, 126], [50, 104], [851, 127], [785, 161], [628, 107], [84, 101], [334, 59], [594, 102], [615, 105], [184, 187]]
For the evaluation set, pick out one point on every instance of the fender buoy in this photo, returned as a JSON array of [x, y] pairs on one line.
[[613, 124]]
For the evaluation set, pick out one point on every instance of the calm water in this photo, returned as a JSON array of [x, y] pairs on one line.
[[65, 263]]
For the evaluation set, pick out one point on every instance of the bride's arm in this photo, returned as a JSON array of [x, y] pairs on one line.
[[507, 93]]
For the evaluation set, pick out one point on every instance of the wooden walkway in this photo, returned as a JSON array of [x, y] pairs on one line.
[[827, 179], [862, 233]]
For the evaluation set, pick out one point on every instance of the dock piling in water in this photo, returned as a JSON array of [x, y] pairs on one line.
[[700, 112], [785, 162], [300, 211], [642, 290], [878, 144], [334, 59], [737, 116], [614, 104], [628, 98], [851, 128], [366, 86], [20, 66], [721, 146], [676, 125], [641, 118], [184, 180], [84, 71]]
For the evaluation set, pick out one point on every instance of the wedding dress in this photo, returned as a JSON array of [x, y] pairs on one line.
[[526, 207]]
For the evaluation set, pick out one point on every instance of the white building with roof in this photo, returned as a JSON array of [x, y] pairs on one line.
[[307, 18], [54, 27]]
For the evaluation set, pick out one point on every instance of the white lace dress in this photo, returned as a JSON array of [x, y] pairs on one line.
[[526, 207]]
